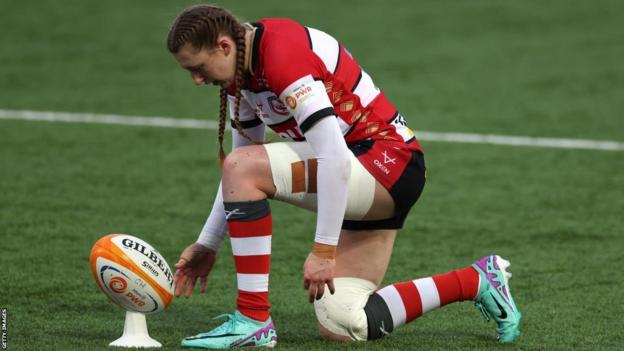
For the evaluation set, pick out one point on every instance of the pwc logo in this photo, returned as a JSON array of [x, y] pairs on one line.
[[135, 299], [291, 102], [118, 284], [302, 92], [299, 95]]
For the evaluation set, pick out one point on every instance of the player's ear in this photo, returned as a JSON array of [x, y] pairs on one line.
[[226, 44]]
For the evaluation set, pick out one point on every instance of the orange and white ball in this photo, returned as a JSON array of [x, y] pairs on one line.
[[132, 273]]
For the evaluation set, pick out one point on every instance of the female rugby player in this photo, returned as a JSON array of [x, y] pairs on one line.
[[351, 158]]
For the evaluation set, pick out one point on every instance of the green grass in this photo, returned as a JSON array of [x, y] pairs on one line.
[[521, 68]]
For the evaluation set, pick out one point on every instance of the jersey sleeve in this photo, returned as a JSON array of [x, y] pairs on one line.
[[296, 75]]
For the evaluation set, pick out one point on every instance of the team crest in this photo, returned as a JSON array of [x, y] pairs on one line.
[[277, 106]]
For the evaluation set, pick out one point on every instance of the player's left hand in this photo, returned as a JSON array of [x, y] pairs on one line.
[[318, 271]]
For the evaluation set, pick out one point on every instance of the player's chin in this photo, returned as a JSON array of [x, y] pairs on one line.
[[222, 84]]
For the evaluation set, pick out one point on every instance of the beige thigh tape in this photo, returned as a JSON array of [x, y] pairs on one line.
[[293, 165]]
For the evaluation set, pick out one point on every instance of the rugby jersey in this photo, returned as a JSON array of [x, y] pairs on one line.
[[301, 74]]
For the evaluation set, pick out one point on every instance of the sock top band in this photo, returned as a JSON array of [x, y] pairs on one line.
[[246, 211]]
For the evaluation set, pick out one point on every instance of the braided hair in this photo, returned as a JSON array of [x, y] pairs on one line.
[[201, 26]]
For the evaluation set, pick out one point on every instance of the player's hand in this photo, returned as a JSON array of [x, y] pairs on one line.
[[318, 271], [196, 261]]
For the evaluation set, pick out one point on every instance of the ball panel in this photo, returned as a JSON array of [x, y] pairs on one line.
[[148, 258], [144, 291], [127, 289], [112, 244]]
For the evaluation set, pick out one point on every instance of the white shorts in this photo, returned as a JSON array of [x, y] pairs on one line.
[[293, 165]]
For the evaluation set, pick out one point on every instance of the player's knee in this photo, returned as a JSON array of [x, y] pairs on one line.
[[243, 162], [341, 316], [327, 335]]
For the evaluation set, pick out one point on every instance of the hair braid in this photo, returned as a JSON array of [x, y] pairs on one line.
[[222, 117], [201, 26], [238, 81]]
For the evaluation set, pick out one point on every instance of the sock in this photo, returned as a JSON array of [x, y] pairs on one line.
[[250, 226], [401, 303]]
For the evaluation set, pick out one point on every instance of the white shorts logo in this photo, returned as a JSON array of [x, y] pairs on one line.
[[387, 159]]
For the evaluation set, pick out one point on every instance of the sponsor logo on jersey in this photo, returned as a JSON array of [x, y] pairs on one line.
[[387, 159], [299, 95], [291, 102], [381, 166], [277, 106], [302, 92]]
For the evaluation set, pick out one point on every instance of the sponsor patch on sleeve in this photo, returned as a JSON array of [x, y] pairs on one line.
[[305, 97]]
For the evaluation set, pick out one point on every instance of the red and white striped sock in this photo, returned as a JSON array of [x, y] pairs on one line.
[[411, 299], [250, 227]]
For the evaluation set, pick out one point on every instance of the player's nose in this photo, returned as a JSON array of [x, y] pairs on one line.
[[198, 79]]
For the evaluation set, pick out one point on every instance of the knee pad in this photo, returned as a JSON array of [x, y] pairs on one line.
[[343, 313]]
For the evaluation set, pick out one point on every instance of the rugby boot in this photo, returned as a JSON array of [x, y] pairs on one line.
[[494, 298], [237, 331]]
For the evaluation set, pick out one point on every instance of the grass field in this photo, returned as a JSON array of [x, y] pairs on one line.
[[544, 69]]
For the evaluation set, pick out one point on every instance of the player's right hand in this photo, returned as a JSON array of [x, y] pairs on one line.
[[196, 261], [318, 272]]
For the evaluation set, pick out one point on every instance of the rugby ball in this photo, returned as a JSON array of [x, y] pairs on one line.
[[132, 273]]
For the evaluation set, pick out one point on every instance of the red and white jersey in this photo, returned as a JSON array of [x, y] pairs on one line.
[[301, 75]]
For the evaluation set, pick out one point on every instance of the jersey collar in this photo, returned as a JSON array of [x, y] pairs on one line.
[[255, 46]]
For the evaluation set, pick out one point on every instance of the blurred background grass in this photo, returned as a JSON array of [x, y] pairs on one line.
[[528, 67], [520, 68]]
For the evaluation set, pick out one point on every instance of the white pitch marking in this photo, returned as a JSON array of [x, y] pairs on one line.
[[168, 122], [163, 122], [560, 143]]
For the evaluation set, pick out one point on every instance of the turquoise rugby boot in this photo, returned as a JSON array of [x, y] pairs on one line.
[[494, 297], [236, 331]]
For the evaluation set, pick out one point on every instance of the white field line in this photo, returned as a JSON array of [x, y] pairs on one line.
[[167, 122], [163, 122]]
